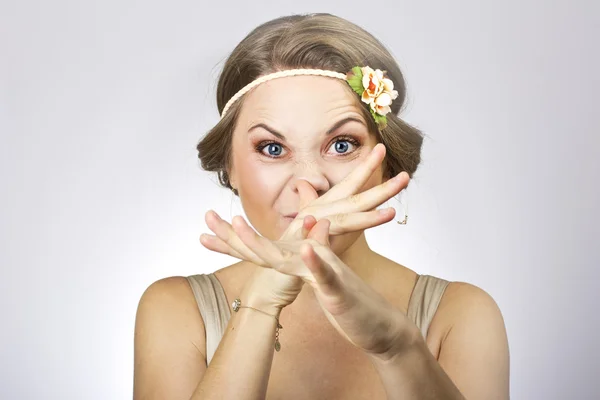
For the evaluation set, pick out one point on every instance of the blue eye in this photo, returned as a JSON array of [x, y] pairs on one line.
[[341, 146], [274, 149]]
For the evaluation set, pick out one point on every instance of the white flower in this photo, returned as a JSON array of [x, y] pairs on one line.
[[381, 104], [379, 91]]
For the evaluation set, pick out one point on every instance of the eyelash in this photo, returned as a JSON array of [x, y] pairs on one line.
[[262, 145]]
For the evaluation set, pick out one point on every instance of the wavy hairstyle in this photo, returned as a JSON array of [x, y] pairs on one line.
[[320, 41]]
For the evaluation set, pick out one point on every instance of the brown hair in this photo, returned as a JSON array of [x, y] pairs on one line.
[[321, 41]]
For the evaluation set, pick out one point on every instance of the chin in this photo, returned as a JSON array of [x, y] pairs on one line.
[[281, 225], [285, 223]]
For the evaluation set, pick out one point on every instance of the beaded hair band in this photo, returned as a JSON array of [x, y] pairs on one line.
[[371, 85]]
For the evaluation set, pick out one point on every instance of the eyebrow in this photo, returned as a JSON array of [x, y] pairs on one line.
[[329, 131]]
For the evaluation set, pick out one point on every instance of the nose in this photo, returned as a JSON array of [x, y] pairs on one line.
[[313, 174]]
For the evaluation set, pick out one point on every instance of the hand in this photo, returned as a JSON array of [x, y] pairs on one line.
[[357, 311], [268, 289], [346, 210]]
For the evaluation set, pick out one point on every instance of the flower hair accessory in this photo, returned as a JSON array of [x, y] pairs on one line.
[[373, 89], [371, 85]]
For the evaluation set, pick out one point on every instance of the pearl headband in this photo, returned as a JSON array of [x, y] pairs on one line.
[[371, 85]]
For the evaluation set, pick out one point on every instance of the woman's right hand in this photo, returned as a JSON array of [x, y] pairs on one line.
[[346, 209]]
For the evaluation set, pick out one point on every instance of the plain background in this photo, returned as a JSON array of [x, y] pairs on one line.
[[102, 104]]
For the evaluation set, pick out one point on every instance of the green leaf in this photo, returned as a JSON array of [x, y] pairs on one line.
[[356, 84], [355, 80], [380, 120]]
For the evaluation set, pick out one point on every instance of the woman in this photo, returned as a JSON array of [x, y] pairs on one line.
[[310, 141]]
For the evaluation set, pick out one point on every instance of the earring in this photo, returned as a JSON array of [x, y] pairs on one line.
[[234, 190], [405, 211], [404, 221]]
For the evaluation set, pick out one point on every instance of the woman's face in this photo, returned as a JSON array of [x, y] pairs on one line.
[[301, 127]]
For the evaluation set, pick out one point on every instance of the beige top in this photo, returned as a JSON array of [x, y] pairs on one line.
[[215, 311]]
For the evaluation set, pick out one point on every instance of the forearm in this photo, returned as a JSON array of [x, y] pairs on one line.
[[414, 373], [241, 365]]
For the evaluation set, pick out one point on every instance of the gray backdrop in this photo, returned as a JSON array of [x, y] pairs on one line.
[[101, 106]]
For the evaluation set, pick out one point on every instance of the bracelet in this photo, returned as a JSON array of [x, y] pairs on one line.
[[237, 304]]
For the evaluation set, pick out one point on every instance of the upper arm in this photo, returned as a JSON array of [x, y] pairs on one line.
[[169, 342], [474, 353]]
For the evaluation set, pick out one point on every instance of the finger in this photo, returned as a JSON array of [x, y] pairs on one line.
[[365, 201], [320, 232], [352, 222], [307, 193], [325, 278], [307, 225], [294, 230], [262, 247], [349, 185], [214, 243], [356, 179], [225, 232]]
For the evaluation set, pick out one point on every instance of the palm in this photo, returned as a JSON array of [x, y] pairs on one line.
[[337, 288]]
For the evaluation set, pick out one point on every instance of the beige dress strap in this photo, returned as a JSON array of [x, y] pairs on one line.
[[424, 301], [214, 309]]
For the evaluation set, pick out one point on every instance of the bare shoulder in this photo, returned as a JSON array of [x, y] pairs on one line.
[[172, 293], [462, 301], [473, 347], [170, 302], [460, 304], [169, 341]]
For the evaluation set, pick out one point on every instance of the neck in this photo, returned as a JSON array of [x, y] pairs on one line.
[[358, 256]]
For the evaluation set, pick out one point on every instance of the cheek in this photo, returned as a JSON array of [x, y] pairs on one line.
[[259, 186], [258, 181]]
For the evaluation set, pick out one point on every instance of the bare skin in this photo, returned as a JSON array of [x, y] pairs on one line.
[[315, 361], [330, 367]]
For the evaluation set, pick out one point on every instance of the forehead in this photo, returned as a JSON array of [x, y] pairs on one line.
[[300, 101]]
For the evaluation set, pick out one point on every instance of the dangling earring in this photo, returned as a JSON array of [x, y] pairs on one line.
[[405, 212]]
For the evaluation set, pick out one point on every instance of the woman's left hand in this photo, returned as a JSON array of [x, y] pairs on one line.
[[358, 312]]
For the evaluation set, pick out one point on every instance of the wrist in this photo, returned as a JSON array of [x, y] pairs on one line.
[[402, 340], [254, 298], [270, 290]]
